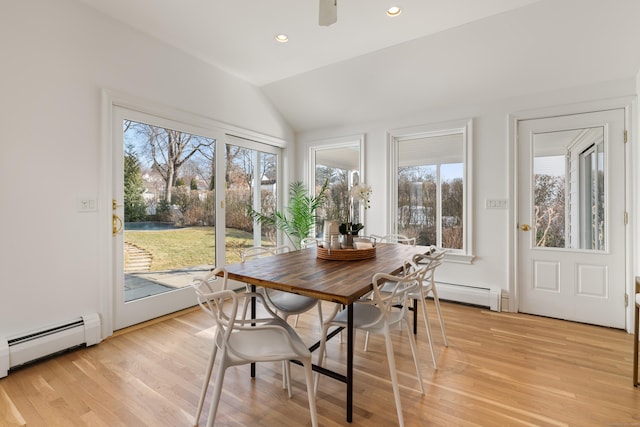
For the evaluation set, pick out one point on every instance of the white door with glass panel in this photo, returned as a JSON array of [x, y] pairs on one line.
[[167, 208], [571, 217]]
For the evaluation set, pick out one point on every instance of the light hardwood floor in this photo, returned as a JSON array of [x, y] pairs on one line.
[[500, 369]]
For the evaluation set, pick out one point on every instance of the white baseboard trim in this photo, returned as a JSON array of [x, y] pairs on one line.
[[468, 294]]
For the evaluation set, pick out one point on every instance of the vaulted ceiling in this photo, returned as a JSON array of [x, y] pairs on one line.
[[367, 66]]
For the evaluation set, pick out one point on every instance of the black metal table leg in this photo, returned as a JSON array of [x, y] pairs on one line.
[[415, 317], [253, 316]]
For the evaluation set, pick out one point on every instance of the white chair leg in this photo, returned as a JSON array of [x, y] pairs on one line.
[[285, 377], [323, 344], [205, 381], [286, 371], [217, 391], [244, 309], [295, 324], [414, 352], [366, 341], [437, 301], [322, 349], [320, 313], [246, 303], [308, 376], [394, 375], [428, 328]]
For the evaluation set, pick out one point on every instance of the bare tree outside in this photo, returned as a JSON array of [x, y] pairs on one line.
[[337, 195], [549, 210], [167, 149], [418, 205]]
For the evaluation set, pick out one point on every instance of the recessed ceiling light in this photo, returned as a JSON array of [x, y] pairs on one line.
[[282, 38], [394, 11]]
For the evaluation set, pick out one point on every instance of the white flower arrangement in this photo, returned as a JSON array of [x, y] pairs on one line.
[[361, 192]]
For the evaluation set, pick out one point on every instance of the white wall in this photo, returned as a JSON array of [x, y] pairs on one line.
[[492, 170], [56, 58]]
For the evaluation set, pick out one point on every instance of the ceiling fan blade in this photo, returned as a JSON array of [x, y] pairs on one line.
[[328, 12]]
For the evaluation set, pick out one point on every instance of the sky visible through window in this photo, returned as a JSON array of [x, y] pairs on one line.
[[549, 165], [451, 171]]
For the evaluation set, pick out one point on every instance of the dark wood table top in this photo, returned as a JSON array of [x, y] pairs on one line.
[[302, 272]]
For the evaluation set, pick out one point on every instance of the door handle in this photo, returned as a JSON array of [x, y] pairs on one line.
[[525, 227], [116, 224]]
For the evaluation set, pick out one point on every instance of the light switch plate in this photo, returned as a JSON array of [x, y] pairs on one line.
[[496, 204], [87, 204]]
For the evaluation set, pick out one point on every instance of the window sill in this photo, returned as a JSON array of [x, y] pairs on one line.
[[459, 258]]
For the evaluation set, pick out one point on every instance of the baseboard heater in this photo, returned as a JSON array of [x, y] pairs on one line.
[[468, 294], [22, 349]]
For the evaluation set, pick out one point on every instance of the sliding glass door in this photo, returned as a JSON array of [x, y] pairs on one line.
[[180, 203]]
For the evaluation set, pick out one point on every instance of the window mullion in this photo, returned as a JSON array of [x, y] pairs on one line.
[[257, 196], [438, 206]]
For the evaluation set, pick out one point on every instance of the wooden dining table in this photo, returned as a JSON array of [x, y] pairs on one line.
[[341, 282]]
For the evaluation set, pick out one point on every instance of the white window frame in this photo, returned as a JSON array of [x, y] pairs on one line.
[[463, 127]]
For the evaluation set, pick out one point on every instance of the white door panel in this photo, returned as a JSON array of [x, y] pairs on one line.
[[571, 206], [143, 293]]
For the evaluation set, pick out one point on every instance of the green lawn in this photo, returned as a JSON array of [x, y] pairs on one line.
[[187, 247]]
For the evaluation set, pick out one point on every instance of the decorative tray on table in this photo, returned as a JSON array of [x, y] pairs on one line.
[[346, 254]]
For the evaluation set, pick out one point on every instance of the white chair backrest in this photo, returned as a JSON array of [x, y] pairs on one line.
[[222, 307], [396, 289], [281, 249], [262, 251], [434, 257], [212, 281], [309, 242], [424, 259], [256, 252], [430, 263], [396, 238], [212, 302]]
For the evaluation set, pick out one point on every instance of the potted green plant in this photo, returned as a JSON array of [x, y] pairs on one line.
[[299, 218]]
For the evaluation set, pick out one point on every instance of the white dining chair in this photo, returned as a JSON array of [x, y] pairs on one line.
[[379, 314], [430, 263], [284, 303], [395, 238], [241, 341], [253, 253]]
